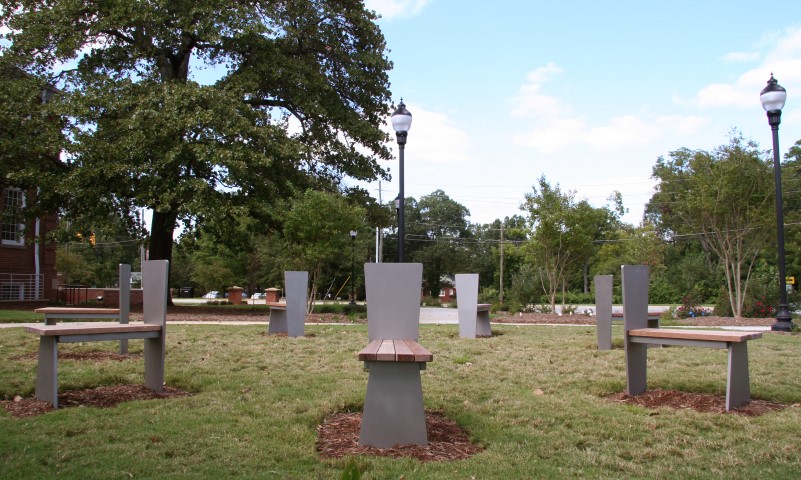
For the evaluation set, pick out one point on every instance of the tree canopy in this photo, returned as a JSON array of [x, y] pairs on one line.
[[295, 96], [724, 199]]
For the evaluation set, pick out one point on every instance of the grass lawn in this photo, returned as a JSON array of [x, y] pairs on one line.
[[533, 396]]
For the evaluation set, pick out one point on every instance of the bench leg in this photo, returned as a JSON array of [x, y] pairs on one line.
[[483, 328], [636, 367], [467, 327], [393, 407], [47, 371], [154, 363], [278, 323], [738, 388]]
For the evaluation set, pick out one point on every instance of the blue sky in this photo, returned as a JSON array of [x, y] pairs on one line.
[[588, 94]]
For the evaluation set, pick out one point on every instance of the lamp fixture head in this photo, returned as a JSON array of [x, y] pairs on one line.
[[773, 96], [401, 119], [353, 234]]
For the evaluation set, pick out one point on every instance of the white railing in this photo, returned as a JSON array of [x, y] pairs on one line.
[[21, 287]]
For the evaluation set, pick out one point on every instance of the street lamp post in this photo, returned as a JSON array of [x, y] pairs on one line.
[[352, 278], [401, 122], [772, 98]]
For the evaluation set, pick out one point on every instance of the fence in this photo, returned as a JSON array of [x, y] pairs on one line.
[[21, 287]]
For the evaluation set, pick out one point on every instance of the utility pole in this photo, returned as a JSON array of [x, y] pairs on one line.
[[500, 297], [379, 249]]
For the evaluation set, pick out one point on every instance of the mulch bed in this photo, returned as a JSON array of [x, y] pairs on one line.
[[97, 355], [100, 397], [338, 436], [700, 402]]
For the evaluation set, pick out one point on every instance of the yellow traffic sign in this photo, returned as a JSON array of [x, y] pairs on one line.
[[790, 280]]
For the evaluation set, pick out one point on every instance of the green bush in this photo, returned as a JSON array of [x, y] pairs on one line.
[[488, 295], [431, 302]]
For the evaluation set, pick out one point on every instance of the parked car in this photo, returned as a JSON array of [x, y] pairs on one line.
[[213, 294], [257, 296]]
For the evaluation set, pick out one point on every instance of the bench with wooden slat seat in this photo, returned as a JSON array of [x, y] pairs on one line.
[[290, 316], [393, 405], [637, 338], [474, 317], [153, 331]]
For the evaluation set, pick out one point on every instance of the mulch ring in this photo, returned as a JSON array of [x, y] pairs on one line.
[[338, 436], [700, 402], [100, 397], [97, 355]]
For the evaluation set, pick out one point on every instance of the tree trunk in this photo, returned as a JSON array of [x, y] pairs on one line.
[[161, 231]]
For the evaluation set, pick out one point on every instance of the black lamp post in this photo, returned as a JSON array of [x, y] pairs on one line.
[[352, 278], [401, 122], [773, 97]]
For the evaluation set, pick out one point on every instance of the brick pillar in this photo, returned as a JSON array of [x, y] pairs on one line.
[[235, 295], [272, 295]]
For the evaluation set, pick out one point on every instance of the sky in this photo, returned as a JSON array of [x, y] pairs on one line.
[[587, 94]]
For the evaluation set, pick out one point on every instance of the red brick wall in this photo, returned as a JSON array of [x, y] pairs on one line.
[[21, 259]]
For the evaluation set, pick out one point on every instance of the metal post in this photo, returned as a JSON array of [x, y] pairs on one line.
[[401, 147], [783, 318], [352, 281]]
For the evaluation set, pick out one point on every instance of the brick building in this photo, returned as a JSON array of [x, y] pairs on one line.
[[27, 260]]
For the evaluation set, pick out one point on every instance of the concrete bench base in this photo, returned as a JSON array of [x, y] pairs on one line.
[[393, 406]]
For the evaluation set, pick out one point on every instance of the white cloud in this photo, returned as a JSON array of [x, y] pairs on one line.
[[553, 136], [434, 137], [530, 102], [396, 8], [783, 58], [554, 127], [737, 57]]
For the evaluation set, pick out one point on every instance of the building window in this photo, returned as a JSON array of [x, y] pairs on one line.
[[12, 225]]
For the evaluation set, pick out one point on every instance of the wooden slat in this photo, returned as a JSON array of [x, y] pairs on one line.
[[77, 311], [705, 335], [369, 352], [73, 329], [402, 351], [484, 306], [276, 305], [386, 352], [420, 353], [395, 351]]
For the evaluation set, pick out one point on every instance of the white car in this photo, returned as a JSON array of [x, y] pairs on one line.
[[212, 294], [257, 296]]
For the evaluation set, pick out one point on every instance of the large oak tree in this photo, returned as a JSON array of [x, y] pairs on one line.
[[298, 92]]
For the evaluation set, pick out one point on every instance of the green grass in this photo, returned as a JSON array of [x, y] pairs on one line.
[[533, 396], [20, 316]]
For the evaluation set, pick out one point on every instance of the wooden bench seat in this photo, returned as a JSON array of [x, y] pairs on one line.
[[395, 351], [656, 335], [52, 313], [117, 330], [152, 330], [638, 337]]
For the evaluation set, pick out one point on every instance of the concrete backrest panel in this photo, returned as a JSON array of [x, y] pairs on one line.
[[635, 296], [154, 290], [125, 292], [603, 311], [297, 288], [393, 300], [467, 303]]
